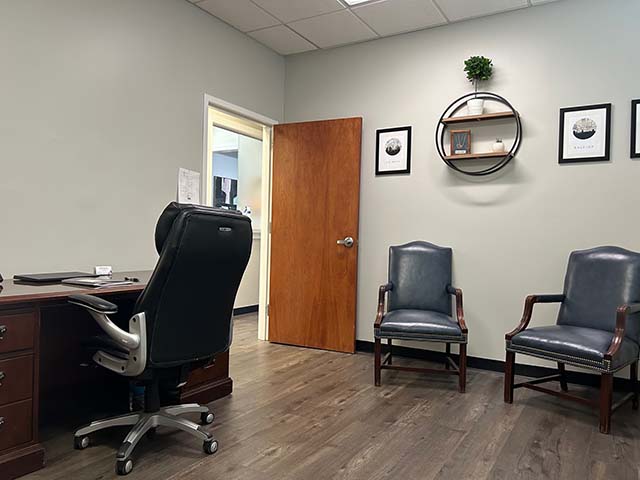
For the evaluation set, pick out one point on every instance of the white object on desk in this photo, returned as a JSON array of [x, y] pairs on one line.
[[103, 270], [188, 186]]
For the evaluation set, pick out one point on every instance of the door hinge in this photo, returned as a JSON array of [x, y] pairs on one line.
[[268, 309]]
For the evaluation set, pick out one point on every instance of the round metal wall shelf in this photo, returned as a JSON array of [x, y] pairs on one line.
[[449, 118]]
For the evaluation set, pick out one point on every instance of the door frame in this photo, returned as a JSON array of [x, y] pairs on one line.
[[265, 223]]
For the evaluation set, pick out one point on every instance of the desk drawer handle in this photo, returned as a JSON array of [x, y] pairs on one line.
[[2, 377], [3, 330], [1, 421]]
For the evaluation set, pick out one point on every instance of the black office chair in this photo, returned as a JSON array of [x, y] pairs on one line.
[[601, 291], [420, 294], [181, 320]]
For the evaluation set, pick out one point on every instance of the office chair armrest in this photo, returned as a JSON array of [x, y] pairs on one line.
[[381, 302], [99, 308], [528, 311], [96, 304], [451, 290], [623, 312]]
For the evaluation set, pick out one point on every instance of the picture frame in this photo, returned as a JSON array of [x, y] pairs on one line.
[[635, 129], [393, 151], [585, 134], [460, 142]]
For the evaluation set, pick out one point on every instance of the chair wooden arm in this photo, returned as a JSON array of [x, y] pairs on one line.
[[623, 312], [381, 303], [459, 309], [528, 311]]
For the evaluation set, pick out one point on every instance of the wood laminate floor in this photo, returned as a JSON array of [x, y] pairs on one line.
[[306, 414]]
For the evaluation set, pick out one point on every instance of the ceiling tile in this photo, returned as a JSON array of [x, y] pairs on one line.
[[333, 29], [282, 39], [291, 10], [397, 16], [242, 14], [461, 9]]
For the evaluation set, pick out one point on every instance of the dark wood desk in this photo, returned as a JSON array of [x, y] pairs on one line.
[[40, 364]]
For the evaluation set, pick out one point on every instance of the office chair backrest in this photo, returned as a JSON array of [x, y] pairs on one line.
[[189, 300], [420, 273], [597, 282]]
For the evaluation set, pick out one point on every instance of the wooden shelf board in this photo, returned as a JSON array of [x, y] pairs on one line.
[[478, 118], [477, 156]]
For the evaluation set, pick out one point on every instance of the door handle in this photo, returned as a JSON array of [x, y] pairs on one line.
[[346, 242], [3, 330]]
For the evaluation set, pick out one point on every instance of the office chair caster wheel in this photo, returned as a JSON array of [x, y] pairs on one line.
[[207, 418], [124, 467], [210, 446], [151, 433], [80, 443]]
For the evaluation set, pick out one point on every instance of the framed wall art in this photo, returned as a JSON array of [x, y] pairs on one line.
[[635, 129], [393, 151], [585, 133], [460, 142]]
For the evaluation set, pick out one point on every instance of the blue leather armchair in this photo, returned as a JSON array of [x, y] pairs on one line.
[[419, 307], [597, 327]]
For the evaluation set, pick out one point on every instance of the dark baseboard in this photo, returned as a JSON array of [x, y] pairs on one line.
[[245, 310], [579, 378]]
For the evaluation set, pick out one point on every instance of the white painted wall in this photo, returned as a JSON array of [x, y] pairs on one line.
[[249, 192], [511, 233], [250, 286], [100, 103], [250, 174]]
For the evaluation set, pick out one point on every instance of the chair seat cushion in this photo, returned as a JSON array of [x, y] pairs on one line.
[[574, 345], [420, 325]]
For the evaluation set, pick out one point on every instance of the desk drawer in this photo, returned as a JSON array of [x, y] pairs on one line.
[[217, 370], [15, 424], [16, 379], [17, 331]]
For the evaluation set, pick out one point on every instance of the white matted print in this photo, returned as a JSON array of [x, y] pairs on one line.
[[585, 133], [393, 150]]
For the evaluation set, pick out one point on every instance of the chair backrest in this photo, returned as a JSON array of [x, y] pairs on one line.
[[598, 281], [420, 273], [189, 299]]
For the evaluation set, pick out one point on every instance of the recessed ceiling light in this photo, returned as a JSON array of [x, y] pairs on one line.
[[351, 3]]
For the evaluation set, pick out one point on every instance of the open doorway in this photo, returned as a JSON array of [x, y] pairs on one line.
[[236, 176]]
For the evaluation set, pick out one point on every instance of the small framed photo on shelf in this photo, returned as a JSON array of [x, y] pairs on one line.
[[393, 151], [635, 129], [585, 134], [460, 142]]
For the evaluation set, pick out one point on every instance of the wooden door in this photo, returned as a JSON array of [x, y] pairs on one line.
[[315, 203]]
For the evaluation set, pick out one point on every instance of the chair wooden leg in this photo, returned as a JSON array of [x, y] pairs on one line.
[[462, 366], [446, 357], [634, 384], [606, 396], [389, 343], [563, 377], [509, 376], [377, 353]]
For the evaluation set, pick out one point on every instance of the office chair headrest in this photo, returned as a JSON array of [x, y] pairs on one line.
[[171, 212], [165, 222]]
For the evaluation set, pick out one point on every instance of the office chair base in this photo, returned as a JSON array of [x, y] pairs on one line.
[[144, 423]]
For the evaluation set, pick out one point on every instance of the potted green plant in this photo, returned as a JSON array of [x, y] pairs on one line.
[[478, 69]]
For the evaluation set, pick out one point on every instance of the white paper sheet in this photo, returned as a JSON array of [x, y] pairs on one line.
[[188, 186]]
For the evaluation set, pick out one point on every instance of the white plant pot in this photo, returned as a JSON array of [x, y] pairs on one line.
[[498, 147], [475, 106]]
